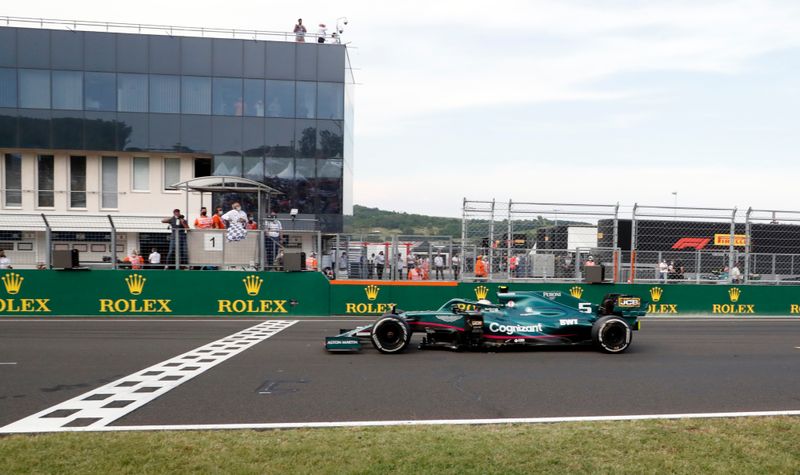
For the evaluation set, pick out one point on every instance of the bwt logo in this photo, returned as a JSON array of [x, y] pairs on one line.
[[691, 243]]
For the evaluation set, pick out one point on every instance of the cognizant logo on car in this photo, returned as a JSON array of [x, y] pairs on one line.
[[511, 329]]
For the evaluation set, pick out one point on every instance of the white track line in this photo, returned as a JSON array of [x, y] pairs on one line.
[[437, 422], [9, 363], [99, 407]]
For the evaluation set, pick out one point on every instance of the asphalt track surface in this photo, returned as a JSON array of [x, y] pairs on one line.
[[672, 367]]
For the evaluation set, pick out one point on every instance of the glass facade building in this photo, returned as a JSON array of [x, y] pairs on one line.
[[276, 112]]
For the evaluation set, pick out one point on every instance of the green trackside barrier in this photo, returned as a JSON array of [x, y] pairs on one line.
[[109, 293]]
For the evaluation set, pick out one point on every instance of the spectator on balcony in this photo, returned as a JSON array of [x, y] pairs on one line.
[[216, 220], [178, 226], [203, 221], [380, 263], [274, 228], [5, 262], [235, 222], [251, 224], [154, 258], [311, 261], [300, 31], [134, 259]]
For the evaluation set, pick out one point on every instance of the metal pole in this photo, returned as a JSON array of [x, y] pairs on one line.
[[262, 246], [509, 240], [747, 239], [113, 243], [615, 251], [632, 278], [394, 260], [336, 256], [491, 243], [177, 237], [449, 261], [463, 259], [698, 265], [731, 247], [48, 240], [319, 251]]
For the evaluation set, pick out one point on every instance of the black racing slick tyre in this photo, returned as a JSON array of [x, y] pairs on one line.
[[390, 334], [611, 334]]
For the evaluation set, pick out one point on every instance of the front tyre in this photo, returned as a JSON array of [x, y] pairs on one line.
[[390, 334], [611, 334]]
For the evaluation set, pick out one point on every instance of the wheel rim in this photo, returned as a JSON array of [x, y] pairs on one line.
[[615, 335], [390, 335]]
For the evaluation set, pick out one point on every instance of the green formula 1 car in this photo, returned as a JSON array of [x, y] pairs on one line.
[[531, 318]]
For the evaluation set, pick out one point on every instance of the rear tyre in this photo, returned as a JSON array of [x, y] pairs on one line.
[[390, 334], [611, 334]]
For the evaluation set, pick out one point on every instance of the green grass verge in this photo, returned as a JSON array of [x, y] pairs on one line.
[[751, 445]]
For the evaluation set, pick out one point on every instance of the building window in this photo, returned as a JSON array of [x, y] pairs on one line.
[[13, 180], [254, 97], [227, 165], [280, 99], [77, 182], [228, 96], [100, 92], [132, 93], [306, 100], [67, 90], [141, 174], [8, 87], [45, 194], [202, 167], [34, 89], [165, 94], [109, 185], [195, 95], [172, 172], [330, 102]]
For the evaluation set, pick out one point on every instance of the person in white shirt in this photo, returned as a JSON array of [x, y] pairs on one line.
[[736, 274], [236, 222], [322, 33], [663, 270], [154, 258], [274, 228], [455, 262], [380, 263], [5, 262], [438, 265]]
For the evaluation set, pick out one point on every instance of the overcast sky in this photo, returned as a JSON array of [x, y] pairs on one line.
[[567, 101]]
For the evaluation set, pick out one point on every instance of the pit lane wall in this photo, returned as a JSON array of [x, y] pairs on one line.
[[109, 293]]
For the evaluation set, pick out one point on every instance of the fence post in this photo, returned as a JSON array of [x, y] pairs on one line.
[[614, 245], [393, 260], [463, 260], [113, 243], [48, 240], [747, 239], [262, 252], [632, 278], [731, 247], [509, 240], [177, 238], [490, 251]]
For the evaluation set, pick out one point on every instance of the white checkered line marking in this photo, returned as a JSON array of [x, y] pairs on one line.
[[102, 406]]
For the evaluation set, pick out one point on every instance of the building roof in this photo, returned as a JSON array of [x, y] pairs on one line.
[[207, 184]]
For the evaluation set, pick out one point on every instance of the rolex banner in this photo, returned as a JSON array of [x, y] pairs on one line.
[[108, 293]]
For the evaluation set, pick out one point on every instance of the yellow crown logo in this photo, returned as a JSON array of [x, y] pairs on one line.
[[734, 294], [372, 291], [655, 293], [135, 283], [481, 292], [576, 292], [12, 282], [252, 283]]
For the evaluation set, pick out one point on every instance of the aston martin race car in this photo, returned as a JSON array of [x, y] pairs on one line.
[[518, 319]]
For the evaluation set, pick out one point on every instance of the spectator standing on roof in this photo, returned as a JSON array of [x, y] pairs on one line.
[[216, 220], [300, 31], [322, 32], [235, 222], [203, 221]]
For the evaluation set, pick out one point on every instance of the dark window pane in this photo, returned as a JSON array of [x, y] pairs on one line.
[[330, 100], [100, 91], [305, 169], [202, 166], [254, 167], [165, 55], [330, 142], [195, 95], [279, 174], [227, 57], [68, 130], [101, 130], [329, 168], [34, 89], [165, 94], [226, 135], [132, 95], [331, 63], [307, 61], [100, 51], [228, 96], [77, 182], [254, 59], [34, 128], [196, 56], [279, 137], [306, 100], [132, 131], [253, 136], [306, 134], [8, 47], [13, 179], [196, 133], [33, 48], [280, 60], [165, 131], [280, 99], [45, 192], [254, 97], [8, 87], [68, 90], [132, 53], [67, 48], [227, 165], [8, 128]]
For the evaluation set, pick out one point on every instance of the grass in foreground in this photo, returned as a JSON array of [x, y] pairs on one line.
[[762, 445]]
